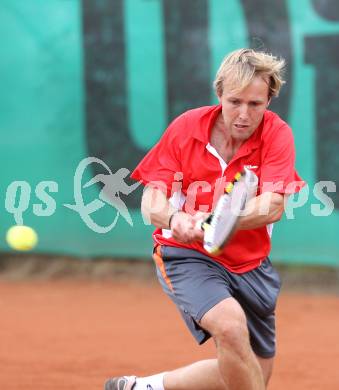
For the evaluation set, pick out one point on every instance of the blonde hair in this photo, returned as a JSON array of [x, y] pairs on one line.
[[240, 67]]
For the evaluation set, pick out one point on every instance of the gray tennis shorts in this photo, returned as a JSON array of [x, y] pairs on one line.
[[195, 283]]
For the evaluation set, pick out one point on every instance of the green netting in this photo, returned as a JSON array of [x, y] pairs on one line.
[[102, 78]]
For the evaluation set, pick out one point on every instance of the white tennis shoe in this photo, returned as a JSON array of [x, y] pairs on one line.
[[120, 383]]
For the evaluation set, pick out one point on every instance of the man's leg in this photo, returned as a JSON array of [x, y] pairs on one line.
[[201, 375], [205, 374], [237, 366]]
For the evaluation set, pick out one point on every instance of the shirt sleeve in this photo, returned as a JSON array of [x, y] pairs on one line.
[[163, 161], [278, 172]]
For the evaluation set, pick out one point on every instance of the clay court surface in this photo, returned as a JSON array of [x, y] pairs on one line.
[[74, 333]]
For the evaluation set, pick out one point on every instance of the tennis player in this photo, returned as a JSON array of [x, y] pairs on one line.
[[230, 296]]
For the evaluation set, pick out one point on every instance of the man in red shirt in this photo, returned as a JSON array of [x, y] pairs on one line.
[[230, 296]]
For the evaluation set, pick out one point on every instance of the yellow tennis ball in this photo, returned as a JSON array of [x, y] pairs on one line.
[[21, 238]]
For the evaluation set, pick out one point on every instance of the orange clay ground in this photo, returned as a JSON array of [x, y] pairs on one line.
[[73, 334]]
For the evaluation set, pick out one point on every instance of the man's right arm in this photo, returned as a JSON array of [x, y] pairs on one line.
[[157, 209]]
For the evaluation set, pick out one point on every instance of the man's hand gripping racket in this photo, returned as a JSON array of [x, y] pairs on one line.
[[220, 225]]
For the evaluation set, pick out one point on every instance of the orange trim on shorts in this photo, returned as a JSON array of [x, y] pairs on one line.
[[161, 265]]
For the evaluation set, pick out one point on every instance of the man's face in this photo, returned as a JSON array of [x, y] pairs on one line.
[[243, 111]]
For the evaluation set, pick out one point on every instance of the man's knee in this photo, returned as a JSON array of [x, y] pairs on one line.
[[232, 336], [227, 324]]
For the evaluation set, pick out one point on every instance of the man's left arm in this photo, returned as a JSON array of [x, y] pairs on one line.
[[262, 210], [278, 159]]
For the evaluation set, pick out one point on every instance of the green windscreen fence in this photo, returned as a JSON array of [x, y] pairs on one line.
[[87, 87]]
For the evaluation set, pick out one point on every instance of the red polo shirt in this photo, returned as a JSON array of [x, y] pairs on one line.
[[194, 175]]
